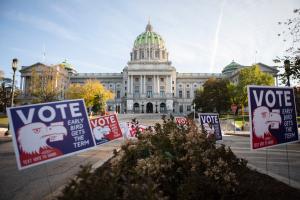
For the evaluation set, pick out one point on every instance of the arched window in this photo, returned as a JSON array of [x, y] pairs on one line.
[[136, 108], [135, 54]]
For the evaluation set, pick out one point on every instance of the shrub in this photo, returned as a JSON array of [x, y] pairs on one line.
[[170, 163]]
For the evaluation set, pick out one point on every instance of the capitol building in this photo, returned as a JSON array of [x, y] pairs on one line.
[[148, 84]]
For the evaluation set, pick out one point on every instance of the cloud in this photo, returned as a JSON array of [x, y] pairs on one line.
[[43, 24]]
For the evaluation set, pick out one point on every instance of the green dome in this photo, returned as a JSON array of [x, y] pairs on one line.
[[66, 65], [148, 37], [231, 68]]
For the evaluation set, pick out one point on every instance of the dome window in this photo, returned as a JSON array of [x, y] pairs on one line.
[[157, 54]]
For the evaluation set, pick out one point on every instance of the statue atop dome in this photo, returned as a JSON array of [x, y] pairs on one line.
[[149, 27]]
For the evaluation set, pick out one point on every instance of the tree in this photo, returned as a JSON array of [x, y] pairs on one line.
[[214, 95], [5, 93], [291, 35], [1, 75], [93, 92], [248, 76], [45, 86]]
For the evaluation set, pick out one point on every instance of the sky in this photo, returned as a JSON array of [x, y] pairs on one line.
[[97, 36]]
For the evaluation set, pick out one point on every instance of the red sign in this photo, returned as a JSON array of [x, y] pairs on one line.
[[105, 128], [129, 129], [181, 120], [233, 108]]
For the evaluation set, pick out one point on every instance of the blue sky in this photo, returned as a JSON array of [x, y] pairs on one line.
[[97, 36]]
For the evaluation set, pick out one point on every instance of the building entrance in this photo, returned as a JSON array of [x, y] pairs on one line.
[[149, 108]]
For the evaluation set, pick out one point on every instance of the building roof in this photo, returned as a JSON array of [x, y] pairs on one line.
[[231, 67], [149, 37], [66, 65], [23, 68]]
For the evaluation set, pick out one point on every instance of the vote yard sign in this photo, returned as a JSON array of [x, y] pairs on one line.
[[106, 128], [181, 121], [129, 129], [211, 124], [48, 131], [272, 113]]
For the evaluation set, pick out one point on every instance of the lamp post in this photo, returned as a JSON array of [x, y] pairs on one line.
[[194, 111], [156, 108], [287, 67], [14, 67], [142, 107]]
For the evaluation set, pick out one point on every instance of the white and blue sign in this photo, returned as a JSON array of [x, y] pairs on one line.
[[272, 113], [211, 124], [49, 131]]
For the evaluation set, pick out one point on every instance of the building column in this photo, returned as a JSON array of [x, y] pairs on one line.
[[154, 85], [144, 84], [158, 88], [141, 85], [131, 82], [170, 82], [128, 84], [21, 84]]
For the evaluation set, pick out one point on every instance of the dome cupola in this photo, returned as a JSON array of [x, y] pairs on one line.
[[229, 69], [149, 46]]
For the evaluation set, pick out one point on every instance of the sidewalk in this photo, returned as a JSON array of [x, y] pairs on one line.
[[243, 133], [237, 133]]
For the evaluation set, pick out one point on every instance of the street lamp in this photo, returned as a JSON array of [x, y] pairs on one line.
[[156, 108], [142, 107], [194, 111], [14, 67], [287, 67]]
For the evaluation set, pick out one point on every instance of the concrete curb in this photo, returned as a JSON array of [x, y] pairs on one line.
[[285, 180], [238, 134]]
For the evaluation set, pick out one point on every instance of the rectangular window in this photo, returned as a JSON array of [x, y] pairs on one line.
[[118, 94], [149, 91], [188, 108], [136, 90], [181, 108], [149, 94], [162, 91], [188, 95], [180, 94]]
